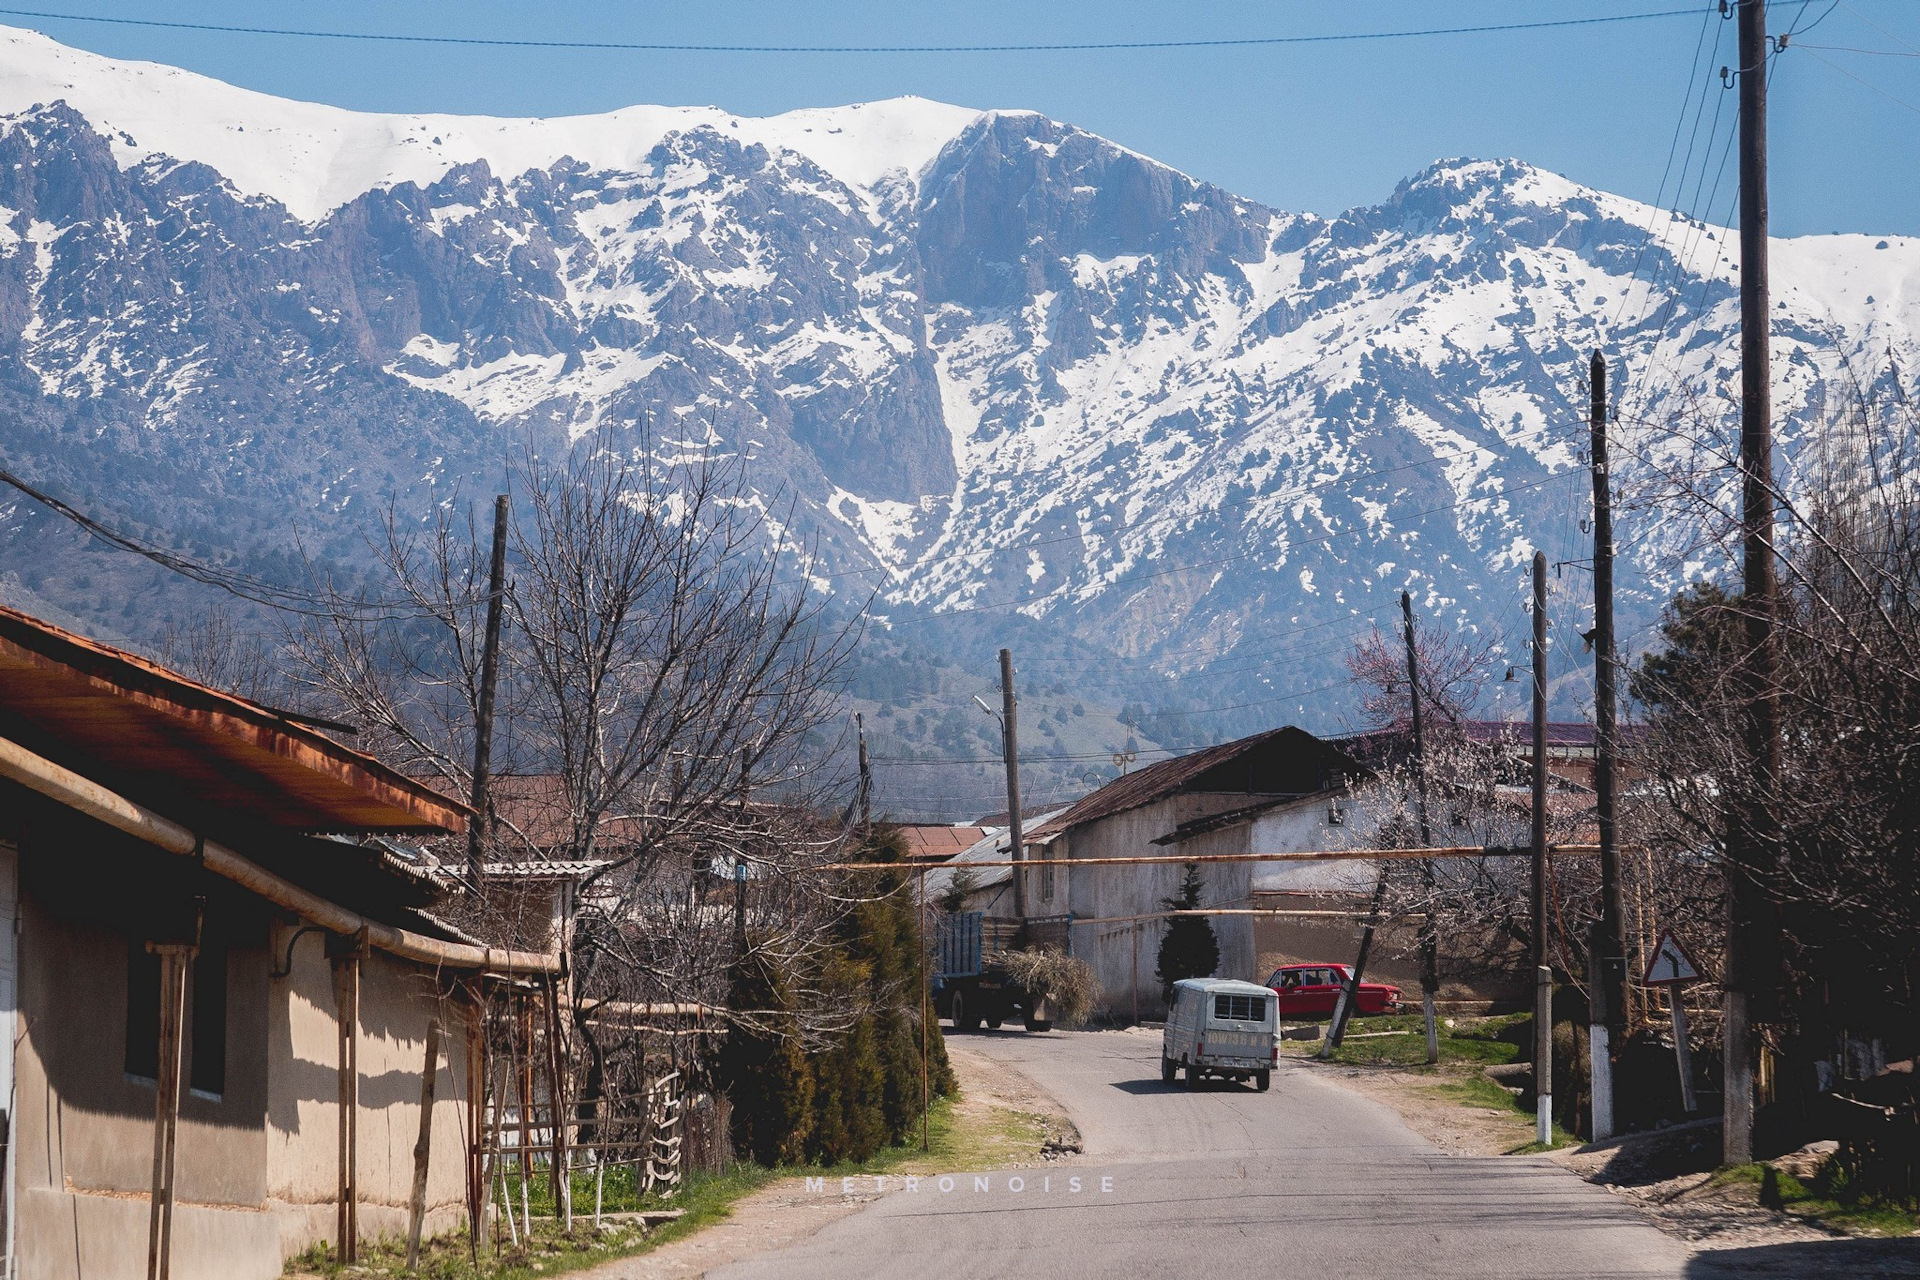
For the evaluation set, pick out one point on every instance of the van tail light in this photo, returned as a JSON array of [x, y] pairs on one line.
[[1202, 1050], [1276, 1054]]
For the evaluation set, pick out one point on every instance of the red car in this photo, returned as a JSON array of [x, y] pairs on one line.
[[1309, 991]]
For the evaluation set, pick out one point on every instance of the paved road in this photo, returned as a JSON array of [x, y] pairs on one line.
[[1306, 1180]]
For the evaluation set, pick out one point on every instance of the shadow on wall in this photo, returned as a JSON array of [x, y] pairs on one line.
[[1811, 1260]]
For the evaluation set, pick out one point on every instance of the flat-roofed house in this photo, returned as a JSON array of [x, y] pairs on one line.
[[216, 985]]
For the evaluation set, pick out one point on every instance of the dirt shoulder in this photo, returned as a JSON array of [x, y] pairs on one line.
[[1669, 1176], [1430, 1102], [1002, 1120]]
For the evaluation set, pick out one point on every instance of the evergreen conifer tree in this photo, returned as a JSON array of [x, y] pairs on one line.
[[863, 1091], [769, 1080], [1188, 949]]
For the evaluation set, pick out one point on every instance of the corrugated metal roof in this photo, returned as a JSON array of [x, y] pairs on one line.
[[990, 847], [933, 843], [190, 750], [1166, 777]]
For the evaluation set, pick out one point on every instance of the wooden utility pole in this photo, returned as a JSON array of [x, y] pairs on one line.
[[176, 961], [526, 1112], [483, 715], [478, 1075], [1010, 747], [423, 1147], [1543, 976], [346, 976], [1752, 956], [1607, 949], [866, 778], [740, 909], [1429, 936]]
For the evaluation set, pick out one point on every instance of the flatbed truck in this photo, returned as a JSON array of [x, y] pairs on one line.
[[970, 986]]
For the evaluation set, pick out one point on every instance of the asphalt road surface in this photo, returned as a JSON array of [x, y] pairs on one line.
[[1305, 1180]]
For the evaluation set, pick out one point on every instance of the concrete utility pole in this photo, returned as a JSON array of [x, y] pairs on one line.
[[483, 717], [1752, 954], [1543, 984], [1607, 949], [1010, 748], [1429, 936]]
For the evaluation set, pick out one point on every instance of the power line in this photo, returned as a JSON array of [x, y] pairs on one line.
[[1860, 80], [622, 46], [255, 590]]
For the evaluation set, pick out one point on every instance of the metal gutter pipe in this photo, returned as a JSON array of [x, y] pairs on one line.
[[56, 782]]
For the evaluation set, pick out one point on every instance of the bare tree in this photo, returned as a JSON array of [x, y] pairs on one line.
[[1847, 834], [665, 676]]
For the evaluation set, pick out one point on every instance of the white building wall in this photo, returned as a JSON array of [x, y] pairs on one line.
[[1123, 953]]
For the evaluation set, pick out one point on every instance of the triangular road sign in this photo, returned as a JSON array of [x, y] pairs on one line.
[[1670, 964]]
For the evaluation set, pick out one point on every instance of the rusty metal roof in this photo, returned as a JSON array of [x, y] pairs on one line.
[[926, 842], [190, 750], [1284, 761]]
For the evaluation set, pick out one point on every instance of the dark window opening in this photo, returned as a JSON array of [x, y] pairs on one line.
[[143, 1011], [206, 1050], [209, 1070]]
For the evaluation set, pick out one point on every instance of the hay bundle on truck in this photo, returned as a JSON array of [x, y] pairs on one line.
[[975, 979]]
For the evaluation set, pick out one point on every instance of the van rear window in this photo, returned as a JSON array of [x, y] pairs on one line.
[[1240, 1008]]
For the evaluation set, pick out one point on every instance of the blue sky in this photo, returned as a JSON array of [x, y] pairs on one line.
[[1319, 127]]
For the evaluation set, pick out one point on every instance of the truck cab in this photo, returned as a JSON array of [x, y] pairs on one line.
[[1223, 1028]]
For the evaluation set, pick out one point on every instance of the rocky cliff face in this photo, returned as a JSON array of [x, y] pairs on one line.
[[1006, 372]]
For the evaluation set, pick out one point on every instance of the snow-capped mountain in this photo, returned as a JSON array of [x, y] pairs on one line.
[[1006, 370]]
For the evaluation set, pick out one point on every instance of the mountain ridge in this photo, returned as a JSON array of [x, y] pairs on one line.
[[1039, 385]]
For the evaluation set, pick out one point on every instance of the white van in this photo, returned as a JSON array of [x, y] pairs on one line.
[[1220, 1027]]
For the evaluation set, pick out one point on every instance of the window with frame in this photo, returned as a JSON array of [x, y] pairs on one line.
[[1234, 1008]]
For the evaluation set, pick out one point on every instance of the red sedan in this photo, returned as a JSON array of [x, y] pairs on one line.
[[1309, 991]]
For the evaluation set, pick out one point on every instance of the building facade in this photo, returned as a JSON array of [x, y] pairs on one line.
[[169, 916]]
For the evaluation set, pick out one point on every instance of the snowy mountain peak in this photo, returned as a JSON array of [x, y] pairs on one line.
[[989, 365], [313, 158]]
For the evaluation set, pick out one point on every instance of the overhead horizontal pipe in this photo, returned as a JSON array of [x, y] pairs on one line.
[[1234, 911], [1335, 855], [56, 782]]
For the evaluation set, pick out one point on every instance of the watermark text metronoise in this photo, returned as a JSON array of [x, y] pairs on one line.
[[968, 1184]]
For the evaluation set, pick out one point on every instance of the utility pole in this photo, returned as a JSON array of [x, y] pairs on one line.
[[1543, 976], [740, 908], [1429, 937], [483, 718], [1752, 956], [1607, 949], [1349, 997], [1010, 748], [866, 778]]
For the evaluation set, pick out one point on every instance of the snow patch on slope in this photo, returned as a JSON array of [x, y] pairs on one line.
[[314, 158]]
